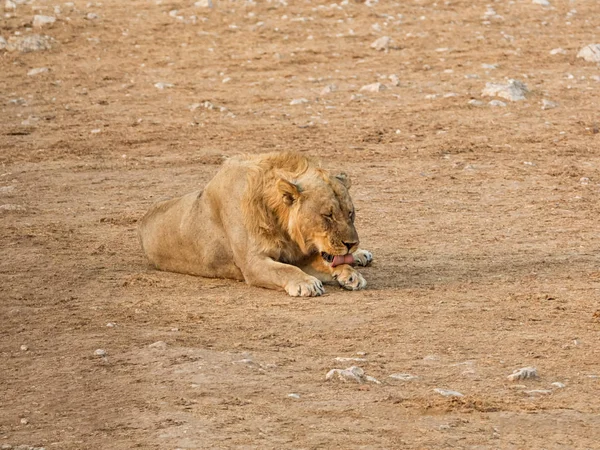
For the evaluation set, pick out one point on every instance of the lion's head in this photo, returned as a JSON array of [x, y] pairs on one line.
[[320, 213]]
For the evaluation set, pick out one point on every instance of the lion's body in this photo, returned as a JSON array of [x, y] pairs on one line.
[[251, 223]]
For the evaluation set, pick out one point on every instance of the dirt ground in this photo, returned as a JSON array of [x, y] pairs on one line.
[[483, 223]]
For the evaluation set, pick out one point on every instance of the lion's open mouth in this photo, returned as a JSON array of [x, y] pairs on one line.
[[336, 260]]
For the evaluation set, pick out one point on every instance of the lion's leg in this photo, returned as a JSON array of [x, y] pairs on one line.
[[346, 275], [271, 274], [362, 257]]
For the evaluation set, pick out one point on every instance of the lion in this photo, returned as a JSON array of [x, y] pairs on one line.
[[274, 220]]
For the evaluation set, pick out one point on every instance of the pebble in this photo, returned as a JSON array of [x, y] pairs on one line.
[[11, 207], [448, 393], [497, 103], [539, 392], [298, 101], [355, 374], [3, 43], [328, 89], [547, 104], [5, 190], [37, 71], [161, 85], [394, 79], [489, 66], [375, 87], [160, 345], [541, 2], [293, 395], [6, 447], [475, 102], [30, 43], [9, 5], [24, 348], [24, 421], [590, 53], [558, 51], [100, 352], [204, 4], [382, 44], [514, 90], [343, 359], [558, 384], [403, 376], [523, 373], [111, 324], [40, 21], [91, 16]]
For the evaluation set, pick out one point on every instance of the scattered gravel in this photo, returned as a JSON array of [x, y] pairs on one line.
[[11, 207], [30, 43]]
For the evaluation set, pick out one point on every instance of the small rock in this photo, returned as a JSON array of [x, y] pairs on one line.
[[448, 393], [558, 384], [293, 395], [160, 345], [375, 87], [382, 44], [204, 4], [11, 207], [111, 324], [161, 85], [541, 2], [539, 392], [558, 51], [475, 102], [9, 5], [514, 90], [298, 101], [355, 374], [40, 21], [584, 181], [489, 66], [523, 373], [342, 359], [37, 71], [590, 53], [403, 376], [100, 352], [30, 43], [91, 16], [6, 190], [394, 79], [6, 447], [547, 104], [24, 348], [328, 89], [497, 103], [24, 421], [96, 131], [3, 43]]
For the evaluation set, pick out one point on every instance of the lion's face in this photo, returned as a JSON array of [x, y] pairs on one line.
[[321, 215]]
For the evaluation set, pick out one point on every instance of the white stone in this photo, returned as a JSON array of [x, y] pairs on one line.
[[298, 101], [513, 90], [328, 89], [489, 66], [111, 324], [382, 44], [204, 4], [403, 376], [160, 345], [448, 393], [9, 5], [523, 373], [354, 374], [293, 395], [558, 51], [590, 53], [394, 79], [161, 85], [558, 384], [100, 352], [96, 131], [37, 71], [3, 43], [29, 43], [343, 359], [541, 2], [539, 392], [40, 21], [11, 207], [91, 16], [24, 421], [547, 104], [24, 348], [497, 103], [475, 102], [374, 87]]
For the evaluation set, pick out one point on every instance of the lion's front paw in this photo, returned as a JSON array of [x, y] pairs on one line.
[[311, 287], [362, 257], [350, 279]]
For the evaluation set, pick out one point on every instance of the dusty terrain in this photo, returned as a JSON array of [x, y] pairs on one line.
[[483, 221]]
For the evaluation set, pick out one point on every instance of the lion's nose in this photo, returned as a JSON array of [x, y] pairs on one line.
[[350, 245]]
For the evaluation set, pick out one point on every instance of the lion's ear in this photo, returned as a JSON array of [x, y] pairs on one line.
[[288, 190], [344, 179]]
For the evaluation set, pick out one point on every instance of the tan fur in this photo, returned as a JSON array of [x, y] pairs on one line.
[[261, 219]]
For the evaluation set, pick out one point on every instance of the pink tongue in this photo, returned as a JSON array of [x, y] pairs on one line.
[[342, 259]]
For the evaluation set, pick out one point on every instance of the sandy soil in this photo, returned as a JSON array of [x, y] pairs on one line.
[[483, 222]]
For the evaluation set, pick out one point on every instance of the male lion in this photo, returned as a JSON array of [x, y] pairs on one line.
[[275, 220]]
